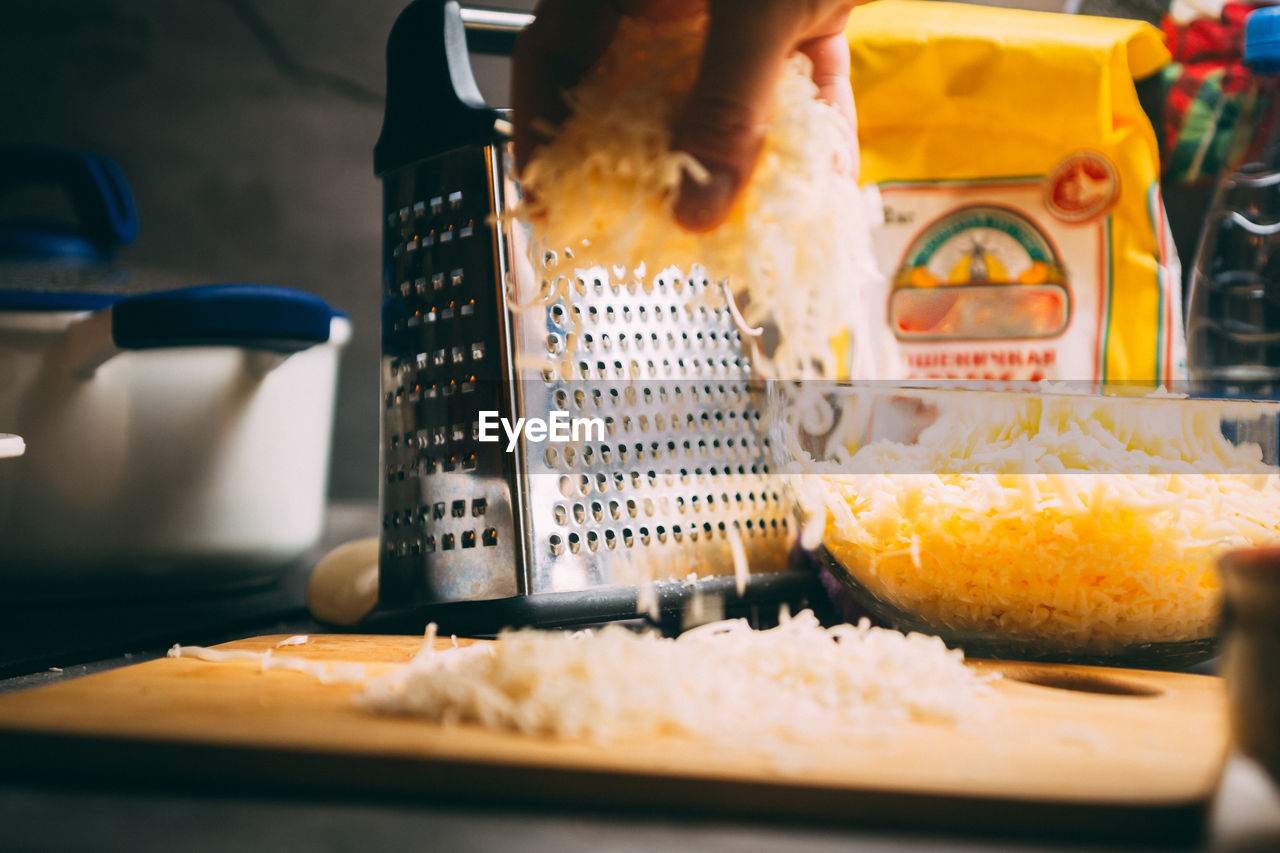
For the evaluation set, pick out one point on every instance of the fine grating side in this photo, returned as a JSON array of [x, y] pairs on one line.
[[680, 466]]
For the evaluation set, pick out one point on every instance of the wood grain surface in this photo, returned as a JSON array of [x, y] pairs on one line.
[[1063, 749]]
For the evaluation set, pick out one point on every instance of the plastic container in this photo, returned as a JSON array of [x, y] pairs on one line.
[[1233, 313], [176, 441], [1042, 526]]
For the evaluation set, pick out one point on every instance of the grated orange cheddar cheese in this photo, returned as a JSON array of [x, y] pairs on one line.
[[1087, 523]]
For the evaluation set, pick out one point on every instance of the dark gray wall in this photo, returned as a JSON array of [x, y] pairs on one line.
[[246, 128]]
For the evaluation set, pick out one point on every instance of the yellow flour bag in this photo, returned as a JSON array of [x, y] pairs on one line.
[[1024, 234]]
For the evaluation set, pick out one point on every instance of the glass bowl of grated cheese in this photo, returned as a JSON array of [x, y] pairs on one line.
[[1044, 524]]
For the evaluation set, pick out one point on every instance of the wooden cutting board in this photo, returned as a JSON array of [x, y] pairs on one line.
[[1068, 749]]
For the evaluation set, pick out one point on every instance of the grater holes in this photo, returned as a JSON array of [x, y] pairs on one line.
[[469, 539], [575, 543], [593, 540], [567, 487], [560, 514], [550, 456], [556, 544], [628, 538], [446, 542], [490, 537], [579, 513], [610, 540]]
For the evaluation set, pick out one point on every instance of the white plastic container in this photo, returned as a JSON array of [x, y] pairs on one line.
[[175, 441]]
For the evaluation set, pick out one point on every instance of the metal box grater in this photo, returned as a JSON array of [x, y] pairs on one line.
[[552, 532]]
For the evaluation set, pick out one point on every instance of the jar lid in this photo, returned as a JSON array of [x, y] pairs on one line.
[[1262, 40]]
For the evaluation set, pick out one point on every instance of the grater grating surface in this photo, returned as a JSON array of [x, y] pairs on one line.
[[678, 467]]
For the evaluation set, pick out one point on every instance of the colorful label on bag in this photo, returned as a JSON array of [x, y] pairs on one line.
[[982, 287], [1024, 234]]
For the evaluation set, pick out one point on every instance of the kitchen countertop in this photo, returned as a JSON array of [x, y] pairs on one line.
[[74, 816]]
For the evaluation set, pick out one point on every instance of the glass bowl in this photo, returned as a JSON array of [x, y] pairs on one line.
[[1039, 525]]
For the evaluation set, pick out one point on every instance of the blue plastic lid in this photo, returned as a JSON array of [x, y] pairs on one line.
[[250, 316], [1262, 40], [55, 300]]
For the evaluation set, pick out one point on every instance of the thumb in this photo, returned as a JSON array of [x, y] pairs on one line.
[[722, 124]]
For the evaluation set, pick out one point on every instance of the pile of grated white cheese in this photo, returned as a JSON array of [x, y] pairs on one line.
[[1082, 523], [795, 250], [721, 682]]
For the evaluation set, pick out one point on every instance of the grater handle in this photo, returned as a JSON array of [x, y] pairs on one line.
[[493, 31], [433, 102]]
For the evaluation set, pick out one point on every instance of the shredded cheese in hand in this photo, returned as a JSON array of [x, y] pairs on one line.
[[795, 250], [722, 682]]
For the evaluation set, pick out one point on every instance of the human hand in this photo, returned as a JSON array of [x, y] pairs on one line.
[[722, 124]]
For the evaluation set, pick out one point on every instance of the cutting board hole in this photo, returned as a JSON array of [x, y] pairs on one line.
[[1083, 683]]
